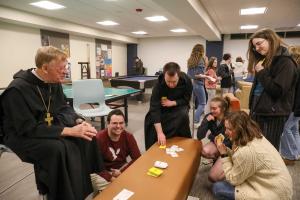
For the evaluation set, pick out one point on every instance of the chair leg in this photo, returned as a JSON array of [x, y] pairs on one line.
[[102, 122], [43, 197]]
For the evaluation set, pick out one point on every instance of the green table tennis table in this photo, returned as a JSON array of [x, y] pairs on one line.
[[111, 95]]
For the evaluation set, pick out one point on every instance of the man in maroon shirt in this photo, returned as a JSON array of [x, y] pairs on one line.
[[116, 145]]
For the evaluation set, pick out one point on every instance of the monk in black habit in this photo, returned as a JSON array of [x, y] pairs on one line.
[[43, 130], [169, 106]]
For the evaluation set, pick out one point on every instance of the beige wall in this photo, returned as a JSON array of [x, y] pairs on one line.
[[239, 47], [19, 44], [17, 50], [156, 52]]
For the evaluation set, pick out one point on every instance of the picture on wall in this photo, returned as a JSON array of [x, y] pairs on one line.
[[103, 58], [58, 40]]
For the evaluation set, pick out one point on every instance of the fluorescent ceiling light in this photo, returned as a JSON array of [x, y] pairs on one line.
[[253, 11], [156, 18], [179, 30], [108, 23], [249, 27], [139, 32], [47, 5]]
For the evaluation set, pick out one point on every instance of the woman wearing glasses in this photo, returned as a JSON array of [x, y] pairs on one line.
[[272, 93]]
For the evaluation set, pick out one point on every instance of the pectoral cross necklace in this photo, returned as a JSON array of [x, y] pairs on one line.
[[48, 117]]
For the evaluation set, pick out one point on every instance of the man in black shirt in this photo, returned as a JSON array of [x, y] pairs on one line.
[[169, 106]]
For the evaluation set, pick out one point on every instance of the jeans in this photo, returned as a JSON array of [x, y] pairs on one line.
[[223, 190], [290, 139], [200, 95], [211, 93]]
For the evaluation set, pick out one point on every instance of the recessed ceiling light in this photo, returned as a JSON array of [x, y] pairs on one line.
[[108, 23], [139, 32], [47, 5], [253, 11], [249, 27], [179, 30], [156, 18]]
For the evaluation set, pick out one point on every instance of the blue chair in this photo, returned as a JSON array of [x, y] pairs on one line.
[[90, 91]]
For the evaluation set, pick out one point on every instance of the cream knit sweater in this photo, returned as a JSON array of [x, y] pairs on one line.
[[258, 172]]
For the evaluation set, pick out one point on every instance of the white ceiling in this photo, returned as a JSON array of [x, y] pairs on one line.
[[207, 18]]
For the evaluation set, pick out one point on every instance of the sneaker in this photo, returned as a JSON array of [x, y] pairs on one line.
[[196, 125], [288, 162]]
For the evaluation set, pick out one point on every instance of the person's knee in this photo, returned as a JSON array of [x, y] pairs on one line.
[[216, 188], [55, 149], [207, 153], [212, 178]]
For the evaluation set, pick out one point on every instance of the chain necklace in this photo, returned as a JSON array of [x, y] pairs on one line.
[[48, 117]]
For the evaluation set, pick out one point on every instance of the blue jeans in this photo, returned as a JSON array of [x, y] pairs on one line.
[[290, 139], [223, 190], [200, 95]]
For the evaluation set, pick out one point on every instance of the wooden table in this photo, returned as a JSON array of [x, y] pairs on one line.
[[175, 182]]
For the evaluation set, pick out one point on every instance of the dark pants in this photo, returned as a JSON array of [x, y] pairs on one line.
[[272, 127], [63, 166], [174, 123]]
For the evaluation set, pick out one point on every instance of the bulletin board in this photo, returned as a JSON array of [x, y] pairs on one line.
[[103, 58]]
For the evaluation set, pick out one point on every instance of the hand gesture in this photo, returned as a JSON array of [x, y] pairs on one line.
[[210, 117], [161, 139], [115, 172], [83, 130], [168, 103], [259, 66]]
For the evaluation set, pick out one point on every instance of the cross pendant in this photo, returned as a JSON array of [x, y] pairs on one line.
[[48, 119]]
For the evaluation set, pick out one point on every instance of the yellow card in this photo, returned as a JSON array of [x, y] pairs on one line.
[[164, 98], [162, 146], [153, 171]]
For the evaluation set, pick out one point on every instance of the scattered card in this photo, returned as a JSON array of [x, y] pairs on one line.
[[123, 195], [160, 164]]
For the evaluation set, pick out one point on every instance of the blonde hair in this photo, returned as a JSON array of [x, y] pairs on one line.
[[274, 43], [46, 54], [196, 55], [295, 53]]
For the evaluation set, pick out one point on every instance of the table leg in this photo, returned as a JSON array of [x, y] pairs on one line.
[[126, 110]]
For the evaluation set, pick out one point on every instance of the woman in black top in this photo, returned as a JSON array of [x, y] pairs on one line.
[[214, 123], [272, 93]]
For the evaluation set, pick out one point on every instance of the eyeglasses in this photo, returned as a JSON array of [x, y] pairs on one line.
[[259, 43]]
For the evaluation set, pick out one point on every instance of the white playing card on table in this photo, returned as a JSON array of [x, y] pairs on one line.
[[123, 195]]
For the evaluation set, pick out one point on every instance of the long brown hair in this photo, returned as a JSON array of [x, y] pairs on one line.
[[196, 55], [274, 43], [244, 127], [210, 63]]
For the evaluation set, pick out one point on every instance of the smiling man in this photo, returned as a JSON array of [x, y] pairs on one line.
[[169, 106], [116, 144]]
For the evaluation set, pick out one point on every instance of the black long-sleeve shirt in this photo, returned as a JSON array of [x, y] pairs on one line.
[[181, 94]]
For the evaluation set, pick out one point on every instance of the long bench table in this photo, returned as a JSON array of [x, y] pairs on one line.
[[175, 182]]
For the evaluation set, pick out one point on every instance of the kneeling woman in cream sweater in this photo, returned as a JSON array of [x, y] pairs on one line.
[[253, 168]]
